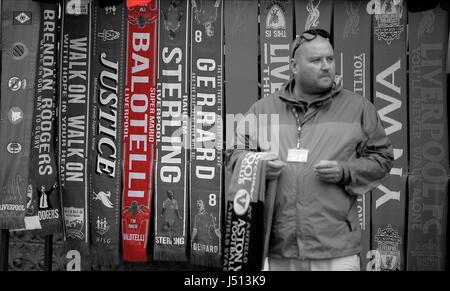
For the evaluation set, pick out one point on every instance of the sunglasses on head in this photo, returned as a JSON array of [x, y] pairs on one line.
[[308, 35]]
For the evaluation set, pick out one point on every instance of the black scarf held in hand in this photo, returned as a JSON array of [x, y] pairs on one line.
[[248, 218]]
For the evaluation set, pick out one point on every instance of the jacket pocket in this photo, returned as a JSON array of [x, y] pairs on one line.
[[352, 220]]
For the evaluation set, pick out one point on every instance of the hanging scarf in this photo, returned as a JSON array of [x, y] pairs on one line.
[[105, 154], [43, 168], [207, 135], [139, 130], [74, 99], [249, 211], [172, 140], [20, 32], [132, 3]]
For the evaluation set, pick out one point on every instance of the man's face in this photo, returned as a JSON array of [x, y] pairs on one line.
[[200, 205], [313, 65], [170, 195]]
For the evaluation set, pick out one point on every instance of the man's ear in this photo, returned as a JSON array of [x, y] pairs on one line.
[[293, 66]]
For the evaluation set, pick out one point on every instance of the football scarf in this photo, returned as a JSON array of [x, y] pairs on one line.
[[241, 69], [390, 100], [132, 3], [43, 167], [276, 28], [139, 130], [74, 98], [171, 195], [20, 33], [248, 217], [206, 135], [105, 154], [428, 182]]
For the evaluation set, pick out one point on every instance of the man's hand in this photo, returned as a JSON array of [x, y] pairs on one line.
[[274, 165], [329, 171]]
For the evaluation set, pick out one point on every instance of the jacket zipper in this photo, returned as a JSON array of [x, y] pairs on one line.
[[300, 181]]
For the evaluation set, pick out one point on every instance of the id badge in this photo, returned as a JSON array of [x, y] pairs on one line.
[[297, 155]]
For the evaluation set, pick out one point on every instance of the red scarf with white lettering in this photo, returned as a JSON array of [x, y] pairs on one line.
[[132, 3], [206, 165], [139, 130]]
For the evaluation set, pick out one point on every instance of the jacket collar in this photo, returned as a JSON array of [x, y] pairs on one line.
[[286, 94]]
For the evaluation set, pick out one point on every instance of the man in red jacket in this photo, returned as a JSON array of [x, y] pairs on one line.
[[332, 147]]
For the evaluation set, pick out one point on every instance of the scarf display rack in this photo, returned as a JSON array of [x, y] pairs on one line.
[[256, 44]]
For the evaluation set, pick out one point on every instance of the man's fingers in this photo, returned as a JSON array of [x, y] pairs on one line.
[[268, 156], [327, 170], [323, 164], [276, 164], [330, 177], [274, 169]]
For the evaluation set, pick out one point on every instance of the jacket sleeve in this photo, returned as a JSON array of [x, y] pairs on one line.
[[374, 155], [244, 139]]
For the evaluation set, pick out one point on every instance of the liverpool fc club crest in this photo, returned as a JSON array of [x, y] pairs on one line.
[[388, 242], [276, 22], [388, 17]]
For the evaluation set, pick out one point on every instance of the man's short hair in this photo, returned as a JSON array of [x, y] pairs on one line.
[[309, 35]]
